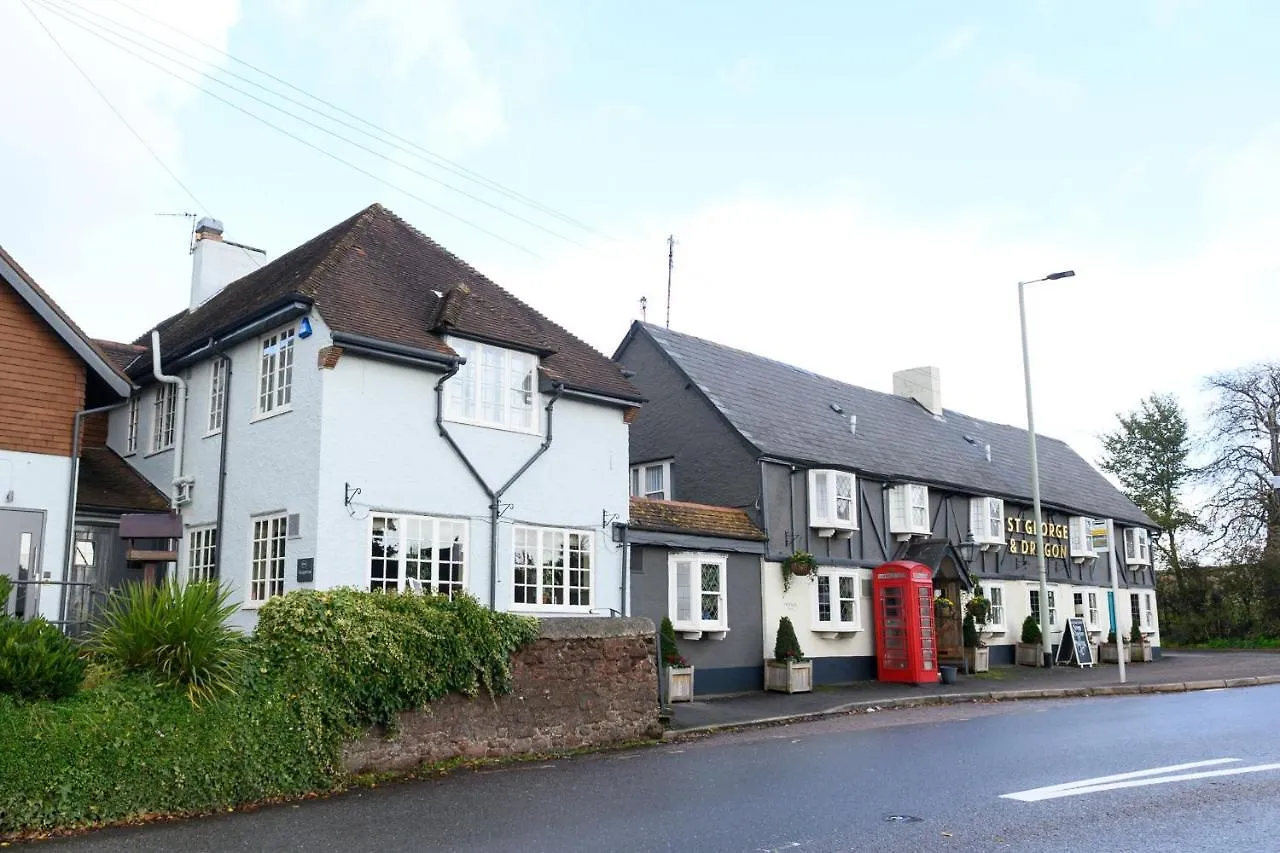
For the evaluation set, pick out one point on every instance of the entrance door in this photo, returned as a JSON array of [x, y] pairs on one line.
[[20, 538]]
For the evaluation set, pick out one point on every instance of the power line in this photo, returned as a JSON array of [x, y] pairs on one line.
[[112, 107], [97, 30], [436, 159], [306, 142]]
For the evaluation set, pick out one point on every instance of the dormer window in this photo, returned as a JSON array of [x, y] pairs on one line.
[[833, 501], [909, 510], [495, 388], [1137, 547], [652, 480], [986, 521]]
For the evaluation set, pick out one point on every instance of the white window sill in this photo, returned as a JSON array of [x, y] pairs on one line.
[[702, 633], [911, 532], [551, 610], [213, 434], [534, 430], [157, 452], [841, 633], [279, 410], [994, 629], [129, 453], [826, 529]]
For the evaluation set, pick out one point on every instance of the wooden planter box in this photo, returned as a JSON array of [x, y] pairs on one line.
[[1140, 652], [979, 659], [1028, 655], [679, 683], [788, 676], [1108, 653]]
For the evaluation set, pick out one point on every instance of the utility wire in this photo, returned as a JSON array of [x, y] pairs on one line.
[[436, 159], [98, 29], [136, 135], [112, 107], [303, 141]]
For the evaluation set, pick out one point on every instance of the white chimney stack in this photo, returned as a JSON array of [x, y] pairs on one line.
[[217, 262], [922, 384]]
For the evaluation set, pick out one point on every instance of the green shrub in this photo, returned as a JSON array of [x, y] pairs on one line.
[[970, 631], [37, 661], [178, 634], [670, 648], [1031, 631], [1135, 634], [787, 646], [357, 658], [6, 587], [130, 748]]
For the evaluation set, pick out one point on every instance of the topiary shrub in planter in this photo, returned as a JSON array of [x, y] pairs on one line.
[[977, 655], [677, 672], [788, 672], [1109, 652], [37, 661], [1028, 650], [1139, 646]]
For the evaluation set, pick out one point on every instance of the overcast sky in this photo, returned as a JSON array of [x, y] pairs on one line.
[[855, 187]]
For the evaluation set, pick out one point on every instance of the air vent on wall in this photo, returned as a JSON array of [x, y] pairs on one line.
[[293, 526]]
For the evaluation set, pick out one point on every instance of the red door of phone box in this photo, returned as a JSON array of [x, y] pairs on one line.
[[906, 639]]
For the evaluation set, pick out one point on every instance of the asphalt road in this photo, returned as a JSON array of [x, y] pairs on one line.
[[828, 786]]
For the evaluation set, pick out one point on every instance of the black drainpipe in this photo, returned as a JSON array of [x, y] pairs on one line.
[[222, 466], [495, 497]]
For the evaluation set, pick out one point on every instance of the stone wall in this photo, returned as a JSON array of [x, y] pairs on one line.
[[584, 683]]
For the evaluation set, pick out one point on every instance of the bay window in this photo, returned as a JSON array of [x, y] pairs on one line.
[[696, 587], [833, 501]]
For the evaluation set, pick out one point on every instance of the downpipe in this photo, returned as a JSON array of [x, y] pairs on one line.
[[180, 416]]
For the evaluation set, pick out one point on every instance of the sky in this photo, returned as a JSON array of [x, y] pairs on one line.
[[853, 187]]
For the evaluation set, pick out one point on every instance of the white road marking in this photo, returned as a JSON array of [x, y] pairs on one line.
[[1136, 779]]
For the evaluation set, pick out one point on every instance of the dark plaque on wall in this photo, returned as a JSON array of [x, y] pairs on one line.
[[306, 569]]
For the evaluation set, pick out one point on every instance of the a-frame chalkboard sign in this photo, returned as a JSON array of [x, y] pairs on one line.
[[1075, 646]]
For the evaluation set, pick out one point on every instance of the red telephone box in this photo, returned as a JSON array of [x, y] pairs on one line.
[[906, 641]]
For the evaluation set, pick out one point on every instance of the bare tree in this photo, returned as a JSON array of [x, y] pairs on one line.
[[1245, 436]]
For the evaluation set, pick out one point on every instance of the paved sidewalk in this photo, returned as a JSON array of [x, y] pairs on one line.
[[1175, 671]]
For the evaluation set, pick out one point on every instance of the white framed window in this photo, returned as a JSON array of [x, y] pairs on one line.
[[833, 500], [217, 394], [986, 520], [1149, 611], [496, 387], [696, 592], [994, 593], [1137, 546], [266, 562], [835, 601], [408, 548], [1080, 538], [202, 554], [131, 432], [275, 373], [1053, 607], [909, 509], [652, 480], [1091, 613], [163, 417], [552, 568]]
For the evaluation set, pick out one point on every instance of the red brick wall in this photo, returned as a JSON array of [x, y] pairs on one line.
[[41, 381], [585, 683], [93, 431]]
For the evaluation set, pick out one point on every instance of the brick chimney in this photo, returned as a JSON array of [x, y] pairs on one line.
[[217, 262]]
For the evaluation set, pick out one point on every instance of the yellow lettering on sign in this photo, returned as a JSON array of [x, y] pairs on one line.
[[1011, 524]]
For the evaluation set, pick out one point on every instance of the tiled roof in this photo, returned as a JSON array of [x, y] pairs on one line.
[[108, 482], [375, 275], [120, 355], [681, 517], [787, 413]]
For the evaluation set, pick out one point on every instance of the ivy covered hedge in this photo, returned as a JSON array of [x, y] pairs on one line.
[[321, 667]]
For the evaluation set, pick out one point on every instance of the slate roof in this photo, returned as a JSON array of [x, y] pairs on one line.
[[701, 519], [375, 275], [108, 482], [120, 355], [785, 412]]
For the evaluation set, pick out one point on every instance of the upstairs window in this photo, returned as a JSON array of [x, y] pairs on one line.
[[131, 433], [275, 373], [833, 501], [1081, 538], [696, 590], [217, 394], [909, 509], [496, 387], [652, 480], [986, 520], [162, 421], [1137, 547]]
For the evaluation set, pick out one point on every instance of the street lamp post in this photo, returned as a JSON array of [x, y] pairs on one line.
[[1046, 642]]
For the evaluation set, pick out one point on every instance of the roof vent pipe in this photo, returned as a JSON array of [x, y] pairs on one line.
[[179, 424], [988, 453]]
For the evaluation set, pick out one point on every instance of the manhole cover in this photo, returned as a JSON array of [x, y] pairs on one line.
[[901, 818]]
